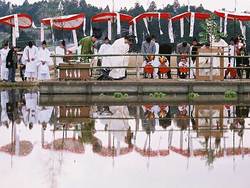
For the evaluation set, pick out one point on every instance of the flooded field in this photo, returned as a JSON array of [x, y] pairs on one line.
[[122, 144]]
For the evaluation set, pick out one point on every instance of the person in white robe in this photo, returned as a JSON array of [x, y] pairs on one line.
[[3, 53], [44, 61], [31, 100], [44, 115], [119, 47], [157, 46], [4, 100], [104, 50], [30, 59], [61, 51]]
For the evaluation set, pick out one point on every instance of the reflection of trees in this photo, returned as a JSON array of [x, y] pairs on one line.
[[87, 132]]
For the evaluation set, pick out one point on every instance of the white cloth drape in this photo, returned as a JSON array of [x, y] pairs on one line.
[[118, 16], [170, 31], [109, 29], [130, 29], [225, 24], [135, 31], [42, 32], [146, 25], [159, 20], [75, 38], [192, 20], [243, 29], [182, 27], [84, 27], [91, 30], [15, 31]]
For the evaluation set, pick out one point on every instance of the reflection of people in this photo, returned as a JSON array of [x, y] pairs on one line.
[[31, 108]]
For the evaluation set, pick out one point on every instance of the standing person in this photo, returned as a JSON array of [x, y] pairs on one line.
[[104, 49], [11, 64], [44, 61], [87, 46], [157, 46], [61, 51], [3, 53], [194, 51], [30, 60], [148, 46]]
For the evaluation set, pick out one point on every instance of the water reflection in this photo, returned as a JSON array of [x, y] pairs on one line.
[[51, 136]]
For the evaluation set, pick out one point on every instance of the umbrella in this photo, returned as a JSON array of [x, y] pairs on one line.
[[111, 17], [192, 16], [68, 23], [233, 16], [22, 21], [148, 16]]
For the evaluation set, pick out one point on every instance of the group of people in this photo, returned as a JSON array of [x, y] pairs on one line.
[[157, 66], [19, 107], [34, 62]]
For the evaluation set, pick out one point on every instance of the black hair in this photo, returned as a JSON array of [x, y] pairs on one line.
[[44, 43], [184, 44], [148, 39], [6, 43], [106, 38], [195, 40], [63, 43], [30, 44], [153, 37]]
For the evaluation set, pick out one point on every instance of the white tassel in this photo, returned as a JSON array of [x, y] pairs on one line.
[[135, 31], [118, 16], [75, 38], [52, 32], [109, 29], [170, 31], [192, 20], [91, 30], [16, 25], [159, 21], [243, 29], [182, 27], [84, 26], [131, 29], [225, 24], [146, 25], [42, 32]]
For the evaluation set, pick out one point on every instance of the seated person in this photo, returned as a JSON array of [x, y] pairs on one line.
[[150, 67], [183, 67], [163, 68]]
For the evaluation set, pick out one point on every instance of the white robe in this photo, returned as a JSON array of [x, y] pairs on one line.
[[59, 51], [44, 114], [157, 48], [4, 101], [118, 47], [31, 107], [4, 71], [31, 66], [104, 49], [43, 69]]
